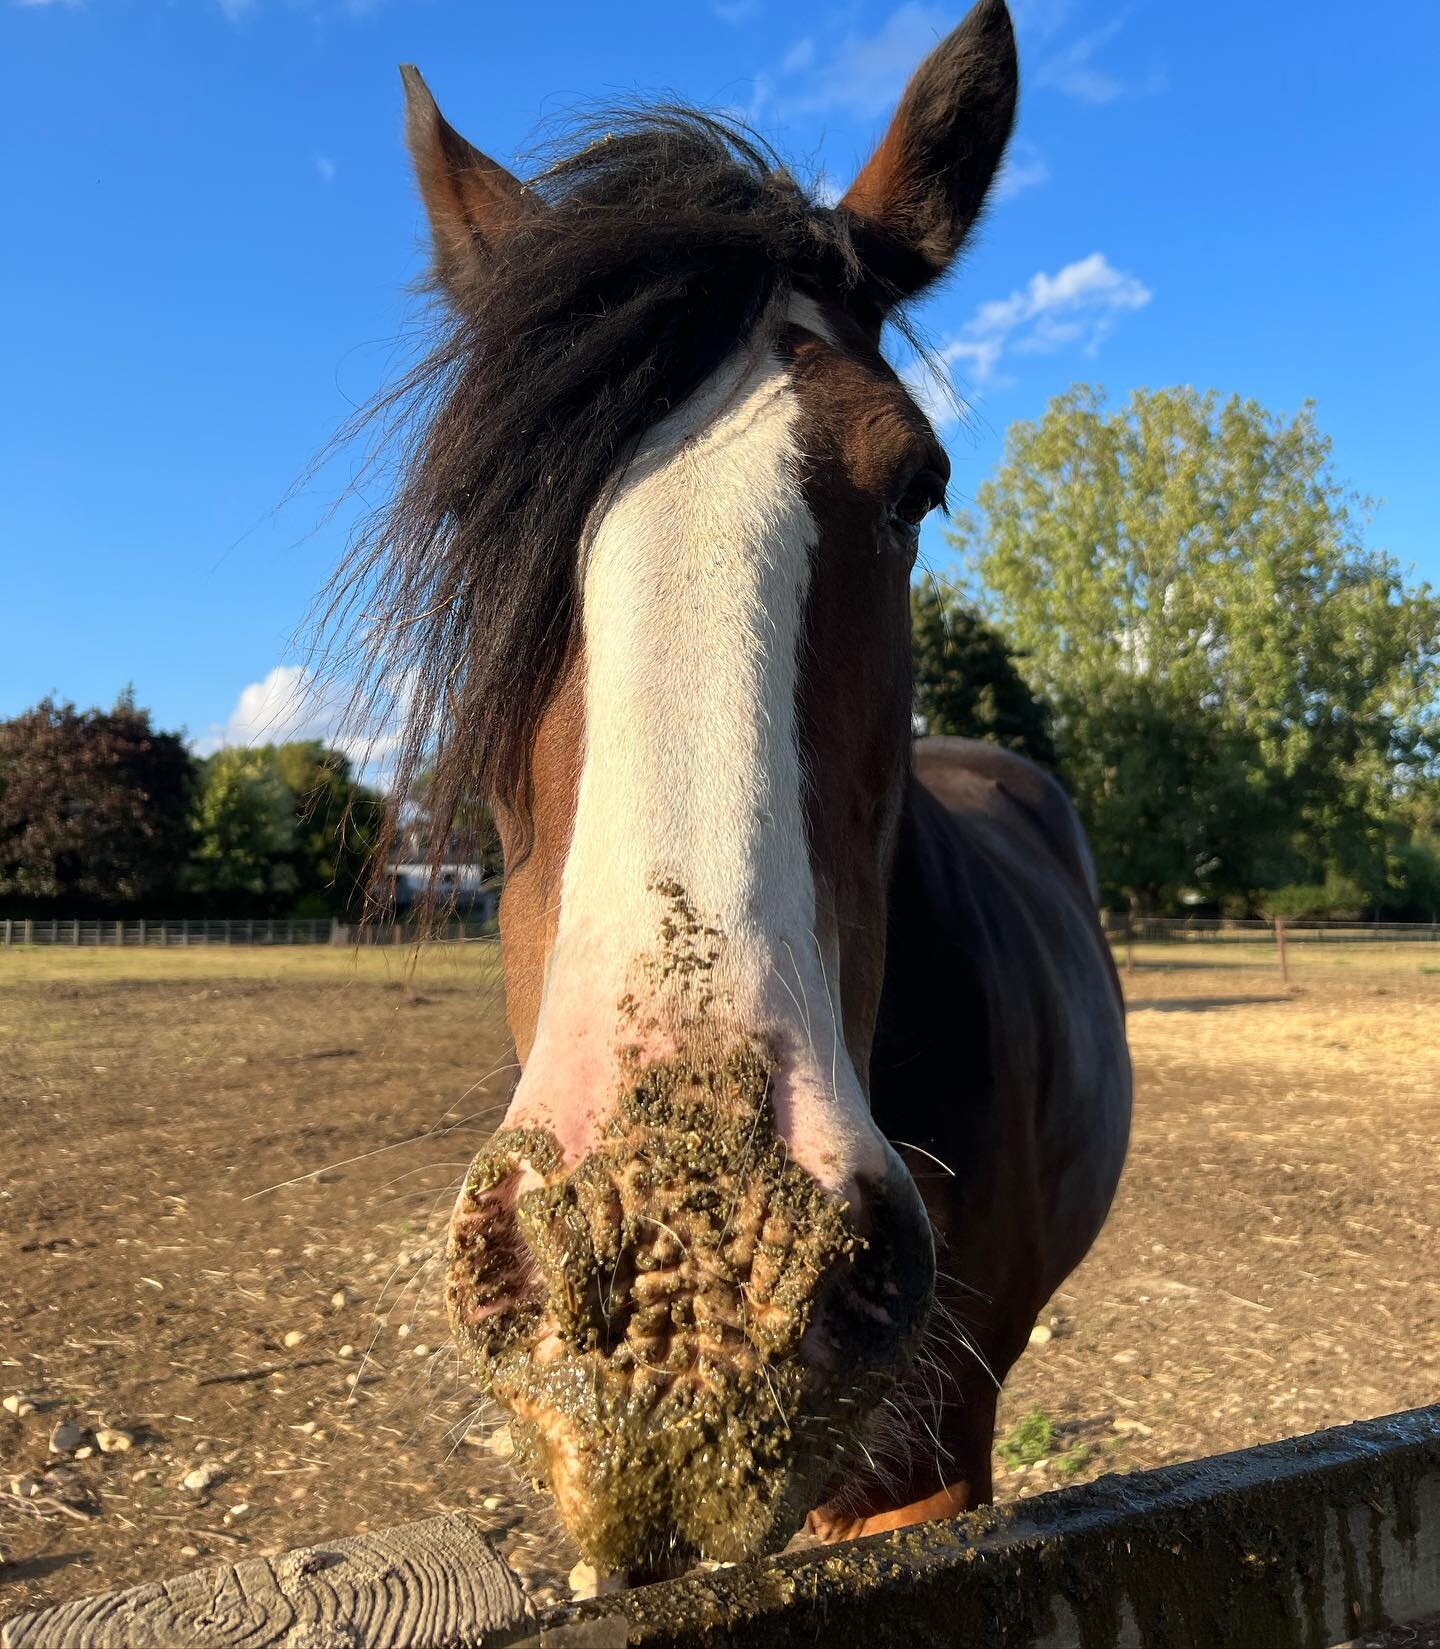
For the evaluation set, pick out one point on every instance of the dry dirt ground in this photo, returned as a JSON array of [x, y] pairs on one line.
[[223, 1170]]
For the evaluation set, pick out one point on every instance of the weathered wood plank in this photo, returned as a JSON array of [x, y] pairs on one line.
[[1302, 1544], [427, 1585]]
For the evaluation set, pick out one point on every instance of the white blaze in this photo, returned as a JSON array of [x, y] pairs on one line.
[[694, 586]]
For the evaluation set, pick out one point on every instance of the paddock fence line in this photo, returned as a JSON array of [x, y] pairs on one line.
[[237, 931], [1180, 929]]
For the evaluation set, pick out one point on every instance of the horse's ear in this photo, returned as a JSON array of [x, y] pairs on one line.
[[919, 194], [471, 200]]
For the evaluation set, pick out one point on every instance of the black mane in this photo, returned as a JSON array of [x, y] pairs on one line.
[[660, 247]]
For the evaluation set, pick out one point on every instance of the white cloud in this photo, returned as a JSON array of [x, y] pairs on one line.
[[281, 706], [1076, 308], [862, 75], [1025, 168], [294, 702], [326, 168], [1074, 71], [1040, 17]]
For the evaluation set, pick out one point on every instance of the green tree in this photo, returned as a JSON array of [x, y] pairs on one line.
[[1198, 556], [282, 830], [966, 681], [93, 809], [245, 833], [338, 824]]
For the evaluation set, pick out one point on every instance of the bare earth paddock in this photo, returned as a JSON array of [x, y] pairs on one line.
[[1267, 1269]]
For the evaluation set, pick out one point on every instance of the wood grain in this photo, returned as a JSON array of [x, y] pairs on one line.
[[429, 1585]]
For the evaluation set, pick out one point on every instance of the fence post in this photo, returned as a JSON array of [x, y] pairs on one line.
[[1280, 946], [1129, 941], [7, 933]]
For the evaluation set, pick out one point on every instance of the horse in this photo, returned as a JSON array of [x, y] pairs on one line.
[[823, 1078]]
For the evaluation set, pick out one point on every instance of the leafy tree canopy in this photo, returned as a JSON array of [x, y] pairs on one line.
[[966, 681], [1184, 580], [93, 808]]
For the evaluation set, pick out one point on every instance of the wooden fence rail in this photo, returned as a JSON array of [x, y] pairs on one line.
[[1302, 1544]]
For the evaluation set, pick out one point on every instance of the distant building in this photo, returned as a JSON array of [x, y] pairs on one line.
[[467, 889]]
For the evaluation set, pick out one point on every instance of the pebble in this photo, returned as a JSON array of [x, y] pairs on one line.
[[114, 1439], [24, 1487], [583, 1581], [84, 1452], [403, 1332], [491, 1502], [1126, 1358], [1041, 1334], [1130, 1428], [67, 1436], [292, 1339], [237, 1512], [347, 1353], [422, 1350], [343, 1297], [189, 1551], [19, 1403], [203, 1477], [499, 1443], [308, 1427]]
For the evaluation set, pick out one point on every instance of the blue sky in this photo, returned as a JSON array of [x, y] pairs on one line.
[[212, 229]]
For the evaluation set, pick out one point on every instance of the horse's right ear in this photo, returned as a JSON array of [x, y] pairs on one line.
[[471, 200]]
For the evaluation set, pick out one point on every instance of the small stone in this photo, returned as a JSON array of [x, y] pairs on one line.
[[307, 1426], [1130, 1428], [343, 1297], [1041, 1334], [19, 1403], [422, 1350], [491, 1502], [499, 1443], [67, 1436], [24, 1487], [1126, 1358], [403, 1332], [292, 1339], [235, 1513], [84, 1452], [114, 1439], [347, 1353], [202, 1477], [584, 1581], [189, 1551]]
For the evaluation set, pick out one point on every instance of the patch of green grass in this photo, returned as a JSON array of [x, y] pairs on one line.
[[1029, 1440], [1074, 1460]]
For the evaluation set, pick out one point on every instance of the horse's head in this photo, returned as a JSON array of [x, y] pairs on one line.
[[660, 532]]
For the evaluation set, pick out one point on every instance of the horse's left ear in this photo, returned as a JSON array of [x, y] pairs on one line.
[[471, 200], [921, 191]]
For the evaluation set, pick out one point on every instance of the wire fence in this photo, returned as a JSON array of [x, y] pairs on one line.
[[324, 930], [1179, 929], [237, 931]]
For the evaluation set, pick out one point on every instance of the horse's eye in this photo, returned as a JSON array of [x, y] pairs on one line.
[[923, 492]]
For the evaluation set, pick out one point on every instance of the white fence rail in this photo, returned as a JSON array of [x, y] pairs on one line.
[[234, 931]]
